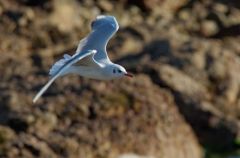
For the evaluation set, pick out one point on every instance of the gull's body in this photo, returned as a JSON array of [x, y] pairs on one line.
[[91, 59]]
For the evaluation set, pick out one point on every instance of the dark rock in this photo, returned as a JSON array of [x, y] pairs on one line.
[[18, 124]]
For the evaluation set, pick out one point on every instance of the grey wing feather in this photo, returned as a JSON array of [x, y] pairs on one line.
[[40, 93], [67, 57], [88, 61], [81, 44]]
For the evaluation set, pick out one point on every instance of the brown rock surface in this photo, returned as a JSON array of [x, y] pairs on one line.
[[185, 56]]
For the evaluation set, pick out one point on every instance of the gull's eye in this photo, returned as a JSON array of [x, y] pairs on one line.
[[114, 71], [119, 71]]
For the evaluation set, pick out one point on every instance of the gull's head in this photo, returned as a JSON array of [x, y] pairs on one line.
[[117, 71], [105, 21]]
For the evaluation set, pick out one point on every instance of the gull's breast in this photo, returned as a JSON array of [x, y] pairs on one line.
[[90, 72]]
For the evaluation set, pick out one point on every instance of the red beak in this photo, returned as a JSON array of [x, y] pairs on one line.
[[129, 75]]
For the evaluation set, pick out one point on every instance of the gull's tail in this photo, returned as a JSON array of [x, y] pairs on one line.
[[62, 67], [58, 69], [58, 65]]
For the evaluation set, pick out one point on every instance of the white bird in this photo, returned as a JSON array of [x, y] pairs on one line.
[[91, 59]]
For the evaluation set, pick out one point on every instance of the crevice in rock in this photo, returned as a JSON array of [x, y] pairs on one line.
[[230, 31], [32, 149]]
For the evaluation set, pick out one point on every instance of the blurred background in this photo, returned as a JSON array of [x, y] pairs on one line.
[[184, 101]]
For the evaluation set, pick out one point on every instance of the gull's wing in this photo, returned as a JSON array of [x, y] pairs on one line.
[[103, 28], [61, 67], [88, 61]]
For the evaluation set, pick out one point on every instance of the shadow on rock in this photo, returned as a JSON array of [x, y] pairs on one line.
[[9, 118], [159, 49], [229, 31]]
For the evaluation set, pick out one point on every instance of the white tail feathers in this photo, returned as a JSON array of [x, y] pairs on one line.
[[56, 67], [55, 72], [60, 68]]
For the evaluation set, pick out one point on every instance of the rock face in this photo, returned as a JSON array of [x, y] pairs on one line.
[[185, 56], [100, 123]]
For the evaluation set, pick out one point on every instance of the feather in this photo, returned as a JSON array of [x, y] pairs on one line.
[[55, 68]]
